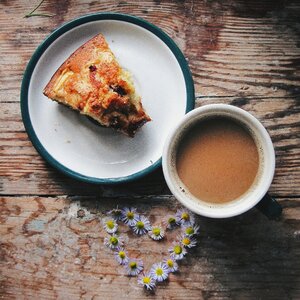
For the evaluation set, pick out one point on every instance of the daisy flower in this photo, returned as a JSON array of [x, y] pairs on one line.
[[171, 264], [177, 251], [142, 225], [116, 214], [113, 241], [121, 256], [134, 266], [147, 281], [110, 225], [129, 216], [184, 217], [157, 233], [159, 272], [191, 230], [188, 242], [170, 222]]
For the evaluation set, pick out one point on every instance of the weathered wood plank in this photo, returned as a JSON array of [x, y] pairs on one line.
[[24, 172], [48, 252], [244, 53], [230, 52]]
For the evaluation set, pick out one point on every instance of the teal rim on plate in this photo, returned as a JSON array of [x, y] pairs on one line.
[[190, 94]]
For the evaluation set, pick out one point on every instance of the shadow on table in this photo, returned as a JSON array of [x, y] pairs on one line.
[[151, 184], [250, 257]]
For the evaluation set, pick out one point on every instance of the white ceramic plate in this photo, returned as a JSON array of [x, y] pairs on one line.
[[80, 148]]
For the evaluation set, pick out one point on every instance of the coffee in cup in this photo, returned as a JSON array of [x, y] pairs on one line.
[[219, 161]]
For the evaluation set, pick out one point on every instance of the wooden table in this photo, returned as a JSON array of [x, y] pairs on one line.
[[241, 52]]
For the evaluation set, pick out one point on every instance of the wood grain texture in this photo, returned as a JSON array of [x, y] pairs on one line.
[[233, 47], [241, 52], [48, 251], [26, 173]]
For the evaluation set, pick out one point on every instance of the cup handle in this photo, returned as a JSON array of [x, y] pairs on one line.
[[270, 207]]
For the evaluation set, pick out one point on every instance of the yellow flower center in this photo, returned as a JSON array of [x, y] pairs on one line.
[[113, 240], [146, 280], [140, 225], [177, 249], [171, 220], [186, 241], [130, 215], [122, 254], [132, 265], [110, 224], [189, 230], [159, 271], [185, 216], [156, 231], [170, 263]]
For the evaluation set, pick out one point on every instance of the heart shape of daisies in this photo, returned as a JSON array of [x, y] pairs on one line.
[[141, 225]]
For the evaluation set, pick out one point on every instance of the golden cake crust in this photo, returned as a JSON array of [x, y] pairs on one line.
[[92, 81]]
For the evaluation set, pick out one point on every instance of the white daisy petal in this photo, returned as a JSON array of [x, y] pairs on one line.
[[113, 241], [190, 230], [159, 272], [157, 233], [147, 281], [141, 226], [134, 267], [129, 216], [171, 264], [110, 225], [184, 217], [121, 256], [177, 251], [187, 241], [170, 222]]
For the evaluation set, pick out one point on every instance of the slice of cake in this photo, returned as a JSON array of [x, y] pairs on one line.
[[92, 82]]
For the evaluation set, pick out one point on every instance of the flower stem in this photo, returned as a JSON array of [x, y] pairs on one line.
[[32, 14]]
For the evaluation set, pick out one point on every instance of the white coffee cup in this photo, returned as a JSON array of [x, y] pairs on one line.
[[266, 162]]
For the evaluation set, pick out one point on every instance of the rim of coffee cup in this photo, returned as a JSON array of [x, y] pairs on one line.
[[252, 196]]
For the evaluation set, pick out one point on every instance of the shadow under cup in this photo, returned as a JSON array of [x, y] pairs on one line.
[[263, 177]]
